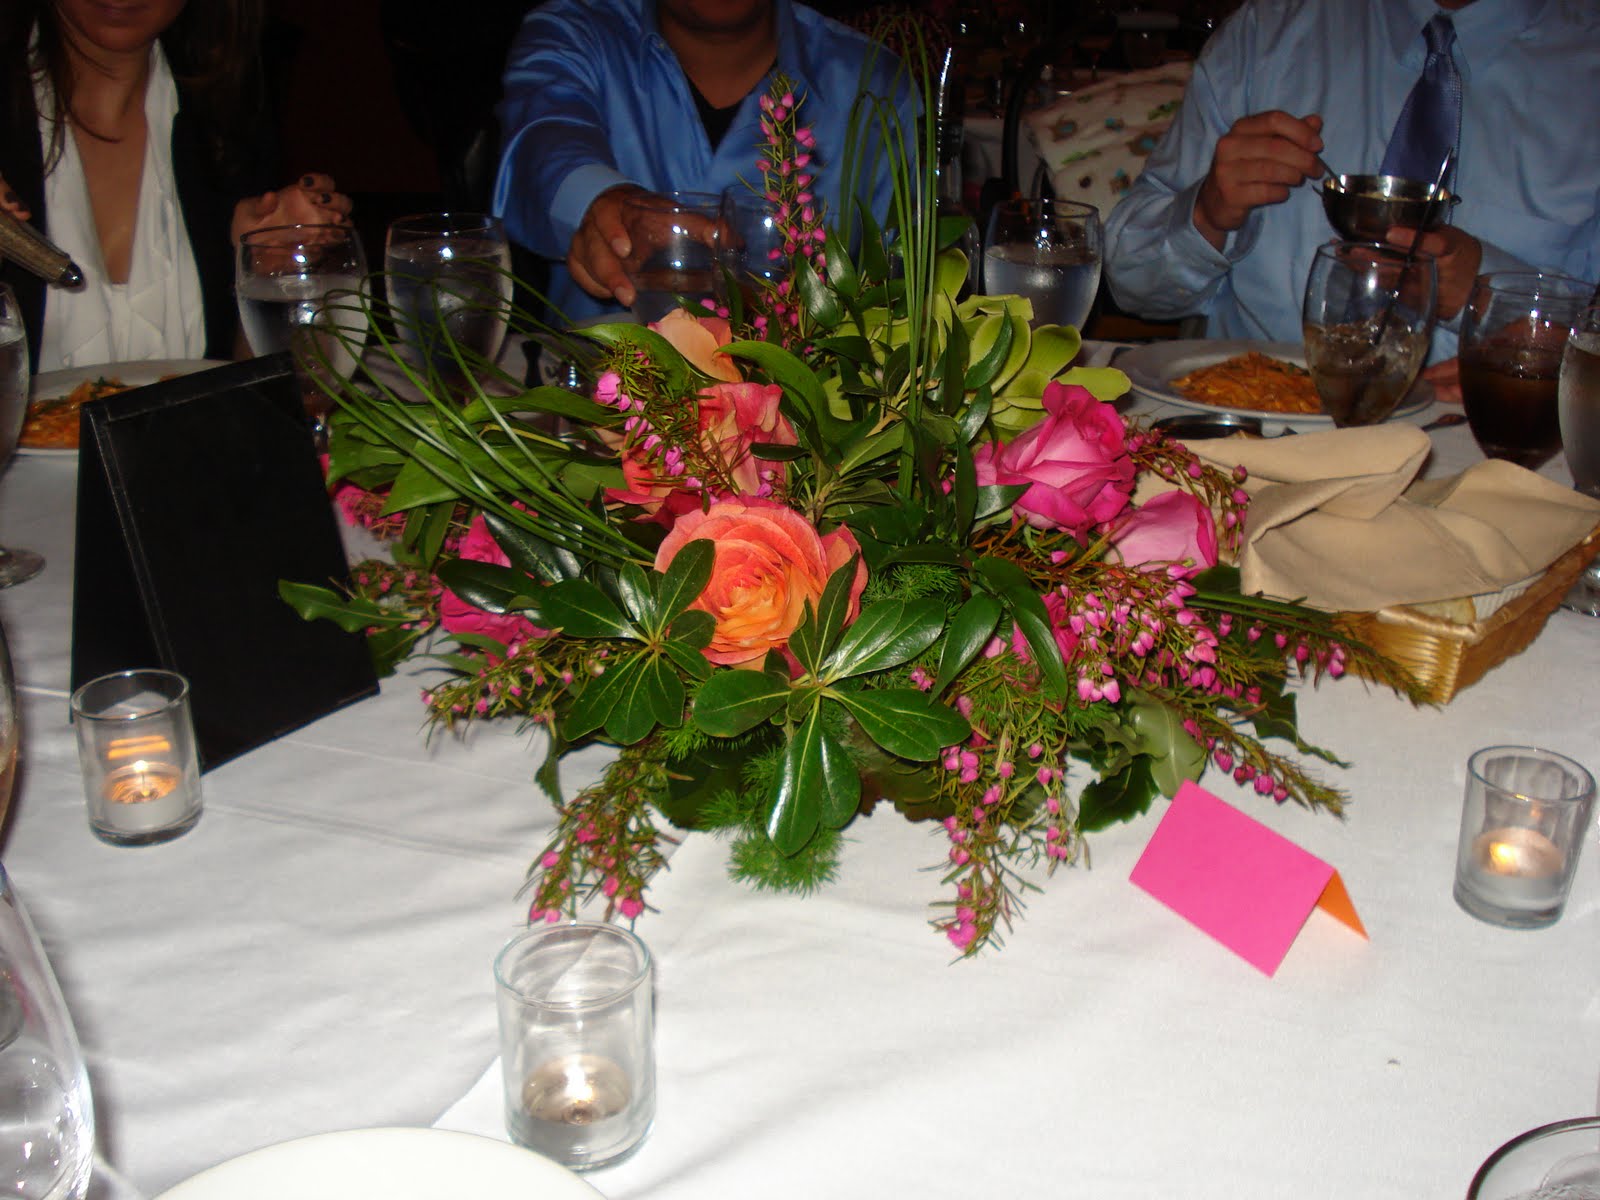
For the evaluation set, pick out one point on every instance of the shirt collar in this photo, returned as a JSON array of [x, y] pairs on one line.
[[1482, 28]]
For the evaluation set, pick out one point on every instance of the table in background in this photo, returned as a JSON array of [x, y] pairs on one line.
[[315, 955]]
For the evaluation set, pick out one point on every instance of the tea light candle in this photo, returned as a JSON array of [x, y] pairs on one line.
[[1518, 865], [568, 1102], [144, 796]]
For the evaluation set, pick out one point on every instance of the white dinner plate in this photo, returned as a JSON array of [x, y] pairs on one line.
[[51, 385], [1152, 367], [386, 1164]]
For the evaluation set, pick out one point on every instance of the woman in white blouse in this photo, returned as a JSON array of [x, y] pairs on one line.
[[134, 134]]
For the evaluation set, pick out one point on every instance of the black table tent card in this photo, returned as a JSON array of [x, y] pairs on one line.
[[197, 495]]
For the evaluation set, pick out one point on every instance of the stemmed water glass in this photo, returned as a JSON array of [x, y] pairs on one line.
[[449, 283], [1578, 401], [1367, 316], [15, 565], [46, 1118], [673, 240], [1513, 331], [1047, 251], [299, 288]]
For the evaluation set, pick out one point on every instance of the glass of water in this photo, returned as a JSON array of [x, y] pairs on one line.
[[1368, 314], [449, 284], [302, 288], [1047, 251], [15, 565], [673, 260], [46, 1118], [1578, 393]]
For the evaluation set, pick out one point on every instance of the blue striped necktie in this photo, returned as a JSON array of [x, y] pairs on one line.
[[1430, 122]]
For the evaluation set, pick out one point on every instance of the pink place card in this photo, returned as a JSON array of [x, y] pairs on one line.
[[1248, 887]]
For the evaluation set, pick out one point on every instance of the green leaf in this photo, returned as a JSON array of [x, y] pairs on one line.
[[633, 586], [886, 635], [531, 553], [489, 586], [732, 701], [1175, 756], [661, 353], [786, 370], [906, 722], [834, 604], [805, 643], [579, 609], [821, 304], [1118, 797], [634, 696], [1028, 610], [686, 577], [815, 773], [970, 630], [315, 603]]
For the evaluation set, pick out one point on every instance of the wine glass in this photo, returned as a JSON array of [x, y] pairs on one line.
[[1367, 317], [749, 245], [1047, 251], [449, 282], [300, 288], [1578, 402], [46, 1118], [15, 565], [1513, 331]]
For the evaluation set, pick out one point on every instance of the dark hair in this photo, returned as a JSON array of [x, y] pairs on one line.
[[213, 48]]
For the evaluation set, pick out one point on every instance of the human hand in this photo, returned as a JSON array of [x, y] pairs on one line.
[[1446, 380], [1256, 162], [1457, 256], [310, 200], [11, 203], [603, 245]]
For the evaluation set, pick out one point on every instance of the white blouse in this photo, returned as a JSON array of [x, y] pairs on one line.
[[158, 312]]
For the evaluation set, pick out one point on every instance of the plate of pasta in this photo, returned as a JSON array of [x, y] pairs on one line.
[[1266, 380], [51, 423]]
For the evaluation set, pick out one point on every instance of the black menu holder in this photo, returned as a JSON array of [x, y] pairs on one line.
[[197, 495]]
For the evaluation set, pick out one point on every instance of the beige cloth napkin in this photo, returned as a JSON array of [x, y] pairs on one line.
[[1340, 520]]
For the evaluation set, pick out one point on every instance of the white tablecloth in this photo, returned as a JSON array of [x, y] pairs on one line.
[[315, 955]]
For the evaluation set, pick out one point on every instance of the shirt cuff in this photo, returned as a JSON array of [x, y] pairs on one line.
[[577, 193]]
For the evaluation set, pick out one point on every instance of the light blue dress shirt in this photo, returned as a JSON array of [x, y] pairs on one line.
[[594, 97], [1528, 169]]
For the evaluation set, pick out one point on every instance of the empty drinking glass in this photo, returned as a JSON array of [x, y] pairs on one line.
[[1367, 317], [1047, 251], [449, 281]]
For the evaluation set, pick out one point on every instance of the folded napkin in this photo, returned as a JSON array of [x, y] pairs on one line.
[[1340, 520]]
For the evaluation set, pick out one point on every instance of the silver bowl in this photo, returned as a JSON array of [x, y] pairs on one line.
[[1363, 207], [1201, 426]]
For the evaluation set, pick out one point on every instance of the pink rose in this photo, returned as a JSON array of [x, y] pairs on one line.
[[769, 562], [1172, 528], [457, 616], [699, 339], [1076, 458]]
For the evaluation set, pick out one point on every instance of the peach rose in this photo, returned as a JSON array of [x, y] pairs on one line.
[[699, 339], [769, 562]]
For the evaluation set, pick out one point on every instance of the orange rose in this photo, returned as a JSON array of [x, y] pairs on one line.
[[699, 339], [769, 562]]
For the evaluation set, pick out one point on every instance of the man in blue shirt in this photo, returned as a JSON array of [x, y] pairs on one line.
[[1226, 217], [610, 98]]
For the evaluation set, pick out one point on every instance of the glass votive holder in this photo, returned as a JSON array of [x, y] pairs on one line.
[[1559, 1161], [136, 748], [577, 1041], [1522, 828]]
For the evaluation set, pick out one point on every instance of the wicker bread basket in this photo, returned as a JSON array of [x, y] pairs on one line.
[[1445, 656]]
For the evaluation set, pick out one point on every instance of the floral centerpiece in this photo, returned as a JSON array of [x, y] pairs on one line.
[[847, 540]]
